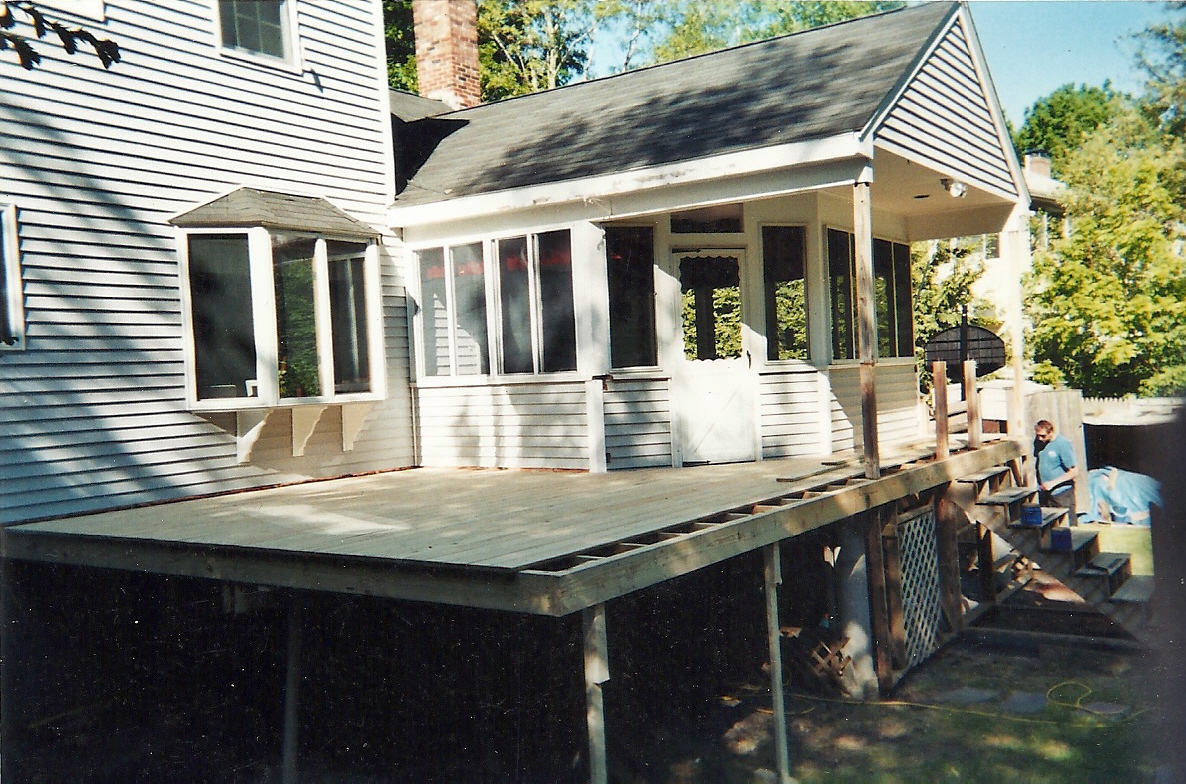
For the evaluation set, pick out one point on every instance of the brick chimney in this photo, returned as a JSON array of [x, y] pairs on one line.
[[446, 34], [1038, 162]]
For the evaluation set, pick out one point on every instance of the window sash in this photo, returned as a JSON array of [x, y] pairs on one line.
[[511, 299], [276, 317], [257, 26]]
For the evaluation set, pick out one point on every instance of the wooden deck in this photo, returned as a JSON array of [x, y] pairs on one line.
[[528, 541]]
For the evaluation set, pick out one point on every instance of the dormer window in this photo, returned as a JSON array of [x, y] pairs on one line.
[[278, 313], [256, 26]]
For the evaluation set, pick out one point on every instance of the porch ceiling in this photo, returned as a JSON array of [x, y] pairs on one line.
[[536, 542]]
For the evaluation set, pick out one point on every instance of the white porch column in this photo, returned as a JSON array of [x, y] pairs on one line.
[[590, 286], [866, 317], [852, 599], [1015, 246], [596, 673]]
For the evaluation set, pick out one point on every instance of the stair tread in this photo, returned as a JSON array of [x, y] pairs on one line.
[[1104, 564], [986, 474], [1079, 540], [1050, 515], [1008, 496], [1137, 589]]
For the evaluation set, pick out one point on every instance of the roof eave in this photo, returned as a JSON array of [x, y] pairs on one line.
[[591, 190]]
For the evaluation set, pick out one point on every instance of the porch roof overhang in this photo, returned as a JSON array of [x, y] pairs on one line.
[[531, 542]]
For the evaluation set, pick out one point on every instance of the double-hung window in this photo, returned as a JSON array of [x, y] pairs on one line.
[[503, 306], [892, 303], [258, 27], [279, 316], [12, 311]]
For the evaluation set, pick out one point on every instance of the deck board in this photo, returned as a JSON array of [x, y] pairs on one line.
[[391, 534]]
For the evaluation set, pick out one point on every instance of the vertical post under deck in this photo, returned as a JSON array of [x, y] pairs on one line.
[[942, 416], [975, 426], [866, 320], [773, 578], [596, 673], [292, 684]]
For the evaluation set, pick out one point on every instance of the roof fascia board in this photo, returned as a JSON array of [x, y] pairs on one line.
[[654, 201], [767, 159], [980, 63]]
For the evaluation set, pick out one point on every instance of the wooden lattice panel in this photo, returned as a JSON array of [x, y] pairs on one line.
[[921, 608]]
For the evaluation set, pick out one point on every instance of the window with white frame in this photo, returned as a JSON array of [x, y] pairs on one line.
[[256, 26], [12, 311], [784, 253], [891, 282], [278, 316], [509, 300]]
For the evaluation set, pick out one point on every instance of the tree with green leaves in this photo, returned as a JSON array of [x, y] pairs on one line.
[[529, 45], [1108, 302], [942, 276], [1163, 56], [1061, 121], [17, 12], [398, 27]]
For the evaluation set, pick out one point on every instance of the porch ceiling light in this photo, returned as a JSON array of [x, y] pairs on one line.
[[955, 188]]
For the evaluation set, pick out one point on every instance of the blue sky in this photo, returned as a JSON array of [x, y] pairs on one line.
[[1034, 47]]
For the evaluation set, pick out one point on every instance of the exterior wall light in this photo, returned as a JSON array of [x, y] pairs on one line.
[[955, 188]]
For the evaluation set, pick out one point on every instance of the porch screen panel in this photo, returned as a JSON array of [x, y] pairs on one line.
[[469, 295], [556, 302], [220, 296], [348, 316], [630, 262], [786, 303], [904, 306], [435, 307], [515, 302], [711, 307], [840, 255], [883, 298]]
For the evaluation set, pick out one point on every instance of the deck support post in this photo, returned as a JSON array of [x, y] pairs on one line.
[[866, 318], [942, 413], [773, 578], [853, 600], [292, 683], [596, 673], [972, 395]]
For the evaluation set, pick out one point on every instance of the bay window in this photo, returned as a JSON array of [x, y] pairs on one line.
[[892, 297], [510, 299], [277, 316]]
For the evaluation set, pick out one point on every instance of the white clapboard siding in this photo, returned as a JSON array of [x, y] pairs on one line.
[[637, 423], [790, 411], [896, 386], [531, 425], [943, 119], [92, 413]]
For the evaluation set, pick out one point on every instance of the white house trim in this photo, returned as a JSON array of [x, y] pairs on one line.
[[590, 190]]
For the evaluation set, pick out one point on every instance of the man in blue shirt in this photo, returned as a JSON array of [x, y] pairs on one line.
[[1056, 469]]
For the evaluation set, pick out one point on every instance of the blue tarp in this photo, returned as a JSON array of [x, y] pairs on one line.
[[1119, 496]]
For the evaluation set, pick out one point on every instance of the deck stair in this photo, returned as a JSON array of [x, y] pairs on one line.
[[996, 505]]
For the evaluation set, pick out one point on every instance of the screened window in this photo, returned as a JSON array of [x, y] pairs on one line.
[[12, 312], [630, 262], [891, 282], [711, 288], [783, 253], [259, 26], [527, 288], [303, 337]]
